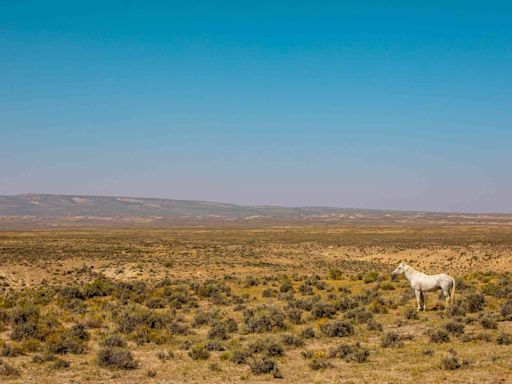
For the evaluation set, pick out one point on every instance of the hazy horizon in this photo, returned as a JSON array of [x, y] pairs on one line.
[[253, 205], [364, 105]]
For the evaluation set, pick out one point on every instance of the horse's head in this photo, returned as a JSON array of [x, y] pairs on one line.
[[398, 271]]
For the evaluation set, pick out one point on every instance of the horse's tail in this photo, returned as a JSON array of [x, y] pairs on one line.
[[452, 292]]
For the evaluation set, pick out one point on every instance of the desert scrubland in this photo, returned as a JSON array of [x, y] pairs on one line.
[[261, 304]]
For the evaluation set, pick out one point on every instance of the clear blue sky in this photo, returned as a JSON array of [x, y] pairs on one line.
[[372, 104]]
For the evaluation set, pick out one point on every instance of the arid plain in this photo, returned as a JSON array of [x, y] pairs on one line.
[[261, 304]]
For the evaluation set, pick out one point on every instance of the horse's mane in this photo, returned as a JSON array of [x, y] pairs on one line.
[[409, 268]]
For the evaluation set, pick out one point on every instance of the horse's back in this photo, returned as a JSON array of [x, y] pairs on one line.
[[426, 282], [446, 280]]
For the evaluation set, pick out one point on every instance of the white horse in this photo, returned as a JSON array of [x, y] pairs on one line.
[[422, 283]]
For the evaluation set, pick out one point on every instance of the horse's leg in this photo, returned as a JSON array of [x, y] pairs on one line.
[[424, 300], [418, 299], [446, 294]]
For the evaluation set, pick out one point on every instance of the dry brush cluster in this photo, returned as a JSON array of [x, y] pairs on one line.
[[253, 322]]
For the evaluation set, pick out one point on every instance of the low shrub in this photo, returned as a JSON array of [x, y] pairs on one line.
[[306, 290], [67, 341], [60, 364], [7, 370], [263, 319], [391, 340], [42, 358], [156, 303], [454, 327], [239, 356], [308, 333], [360, 315], [488, 322], [411, 314], [373, 325], [133, 316], [262, 366], [335, 274], [371, 277], [450, 362], [218, 331], [456, 309], [115, 357], [267, 346], [286, 287], [292, 340], [474, 302], [321, 309], [350, 352], [438, 336], [504, 339], [98, 288], [165, 355], [377, 306], [294, 315], [319, 363], [506, 309], [387, 286], [114, 340], [11, 350], [214, 346], [337, 328], [198, 352]]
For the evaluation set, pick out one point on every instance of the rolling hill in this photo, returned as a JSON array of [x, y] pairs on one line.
[[42, 209]]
